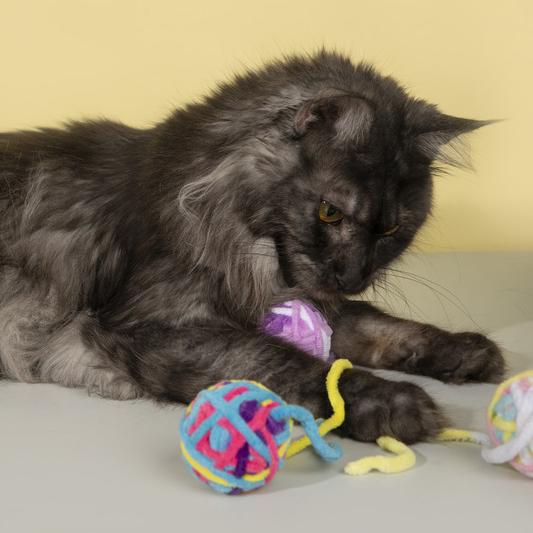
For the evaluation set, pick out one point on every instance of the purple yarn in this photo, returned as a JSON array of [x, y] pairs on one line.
[[260, 434], [242, 460], [275, 324], [248, 409], [300, 323], [275, 426]]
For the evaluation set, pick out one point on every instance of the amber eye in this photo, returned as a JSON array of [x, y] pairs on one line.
[[390, 231], [329, 213]]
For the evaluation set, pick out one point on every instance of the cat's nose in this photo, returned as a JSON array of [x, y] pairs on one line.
[[352, 277], [351, 284], [339, 281], [347, 281]]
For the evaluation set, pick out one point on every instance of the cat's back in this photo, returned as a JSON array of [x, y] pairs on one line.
[[92, 149], [48, 173], [70, 202]]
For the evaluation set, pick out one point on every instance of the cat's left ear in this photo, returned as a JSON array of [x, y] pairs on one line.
[[430, 131], [347, 117]]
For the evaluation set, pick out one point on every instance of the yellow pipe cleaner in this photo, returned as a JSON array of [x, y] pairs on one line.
[[462, 435], [403, 460], [404, 457], [337, 404]]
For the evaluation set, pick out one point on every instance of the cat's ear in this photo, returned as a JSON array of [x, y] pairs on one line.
[[348, 117], [437, 136]]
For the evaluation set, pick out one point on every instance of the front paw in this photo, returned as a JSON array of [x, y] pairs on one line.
[[377, 407], [458, 358]]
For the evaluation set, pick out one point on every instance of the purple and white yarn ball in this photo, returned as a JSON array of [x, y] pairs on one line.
[[301, 324]]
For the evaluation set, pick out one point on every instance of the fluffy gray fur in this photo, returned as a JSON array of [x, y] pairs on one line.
[[139, 262]]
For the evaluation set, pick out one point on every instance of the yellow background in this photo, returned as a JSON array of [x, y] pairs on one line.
[[134, 60]]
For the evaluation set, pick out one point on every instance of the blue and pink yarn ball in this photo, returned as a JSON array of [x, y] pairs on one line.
[[235, 436]]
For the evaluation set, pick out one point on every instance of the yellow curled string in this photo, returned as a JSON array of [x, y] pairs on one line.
[[403, 459]]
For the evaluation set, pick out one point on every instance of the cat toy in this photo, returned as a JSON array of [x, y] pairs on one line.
[[301, 324], [510, 426], [236, 435]]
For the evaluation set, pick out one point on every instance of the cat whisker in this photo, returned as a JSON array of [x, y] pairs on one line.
[[429, 282], [432, 286]]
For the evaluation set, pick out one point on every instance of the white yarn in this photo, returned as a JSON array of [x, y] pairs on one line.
[[304, 315], [480, 438]]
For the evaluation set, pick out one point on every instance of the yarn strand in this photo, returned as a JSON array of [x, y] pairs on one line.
[[337, 404], [329, 452]]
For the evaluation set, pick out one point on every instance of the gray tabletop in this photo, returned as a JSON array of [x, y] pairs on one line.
[[73, 463]]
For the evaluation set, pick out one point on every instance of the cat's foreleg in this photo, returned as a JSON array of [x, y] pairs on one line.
[[371, 338]]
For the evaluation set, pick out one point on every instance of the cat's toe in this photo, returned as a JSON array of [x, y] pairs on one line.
[[480, 359], [458, 358]]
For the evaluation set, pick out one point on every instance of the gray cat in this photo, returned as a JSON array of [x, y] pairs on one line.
[[138, 262]]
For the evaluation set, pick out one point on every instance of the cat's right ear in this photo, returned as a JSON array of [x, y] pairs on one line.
[[348, 118], [437, 136]]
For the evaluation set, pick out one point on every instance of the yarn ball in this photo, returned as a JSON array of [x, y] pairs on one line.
[[510, 423], [301, 324], [235, 436]]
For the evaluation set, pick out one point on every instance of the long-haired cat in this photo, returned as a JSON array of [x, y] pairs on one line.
[[137, 262]]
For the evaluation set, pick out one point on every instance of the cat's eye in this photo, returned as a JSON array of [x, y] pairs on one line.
[[329, 213], [390, 231]]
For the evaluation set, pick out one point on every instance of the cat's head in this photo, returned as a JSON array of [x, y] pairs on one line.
[[363, 187], [329, 160]]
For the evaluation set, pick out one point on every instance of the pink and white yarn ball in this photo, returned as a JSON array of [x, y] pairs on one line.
[[510, 421], [300, 323]]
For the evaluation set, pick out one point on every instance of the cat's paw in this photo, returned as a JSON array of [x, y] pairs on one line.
[[458, 358], [376, 407]]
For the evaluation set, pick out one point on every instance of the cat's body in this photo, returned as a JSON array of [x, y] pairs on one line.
[[138, 262]]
